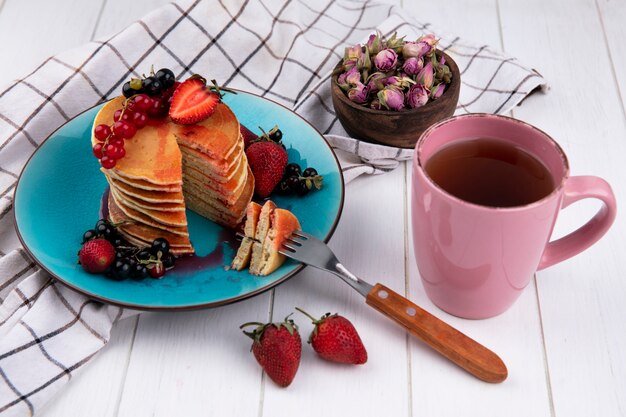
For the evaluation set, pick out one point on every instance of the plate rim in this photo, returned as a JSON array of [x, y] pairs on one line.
[[189, 307]]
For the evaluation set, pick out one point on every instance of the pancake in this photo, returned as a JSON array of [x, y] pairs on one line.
[[262, 228], [117, 215], [141, 184], [138, 202], [214, 210], [169, 168], [165, 197], [244, 253], [283, 224]]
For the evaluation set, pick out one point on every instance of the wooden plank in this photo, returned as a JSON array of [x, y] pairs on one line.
[[196, 363], [515, 335], [370, 242], [613, 16], [34, 30], [581, 299]]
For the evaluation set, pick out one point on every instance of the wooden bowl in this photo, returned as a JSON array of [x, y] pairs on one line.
[[399, 129]]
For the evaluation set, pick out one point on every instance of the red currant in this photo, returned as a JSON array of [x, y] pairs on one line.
[[158, 108], [124, 129], [101, 132], [142, 103], [115, 152], [127, 116], [115, 141], [97, 150], [157, 270], [139, 120], [107, 162]]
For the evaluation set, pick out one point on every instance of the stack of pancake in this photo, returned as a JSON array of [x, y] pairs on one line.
[[168, 168]]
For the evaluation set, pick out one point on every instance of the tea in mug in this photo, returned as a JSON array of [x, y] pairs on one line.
[[490, 172]]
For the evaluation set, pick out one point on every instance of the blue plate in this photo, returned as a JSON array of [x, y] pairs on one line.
[[59, 193]]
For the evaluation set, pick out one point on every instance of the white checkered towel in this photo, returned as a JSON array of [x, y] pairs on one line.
[[281, 49]]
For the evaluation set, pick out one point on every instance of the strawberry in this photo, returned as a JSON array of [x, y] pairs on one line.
[[192, 102], [335, 339], [277, 348], [96, 255], [267, 161], [248, 136]]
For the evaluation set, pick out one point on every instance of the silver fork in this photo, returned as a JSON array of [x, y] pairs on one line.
[[451, 343]]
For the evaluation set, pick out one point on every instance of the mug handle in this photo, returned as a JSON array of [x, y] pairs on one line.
[[578, 188]]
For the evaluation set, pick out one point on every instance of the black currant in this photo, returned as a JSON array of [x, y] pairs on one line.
[[89, 234], [144, 255], [282, 188], [121, 269], [276, 135], [292, 169], [168, 260], [127, 91], [101, 222], [302, 189], [292, 182], [166, 77], [139, 271], [152, 86], [101, 229], [309, 172], [160, 244]]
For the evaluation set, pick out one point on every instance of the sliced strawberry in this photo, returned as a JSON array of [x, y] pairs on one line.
[[192, 102]]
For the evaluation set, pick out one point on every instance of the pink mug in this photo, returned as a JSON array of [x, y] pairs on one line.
[[475, 260]]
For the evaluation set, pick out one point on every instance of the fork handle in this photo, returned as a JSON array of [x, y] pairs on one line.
[[445, 339]]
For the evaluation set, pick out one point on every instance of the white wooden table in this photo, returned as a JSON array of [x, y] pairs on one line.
[[563, 341]]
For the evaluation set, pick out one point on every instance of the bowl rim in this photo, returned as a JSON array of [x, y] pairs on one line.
[[430, 105]]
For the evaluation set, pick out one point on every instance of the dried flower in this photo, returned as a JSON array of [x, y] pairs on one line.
[[437, 90], [353, 76], [415, 49], [349, 79], [417, 96], [425, 76], [413, 65], [353, 53], [386, 60], [375, 82], [395, 43], [374, 43], [364, 63], [342, 82], [392, 73], [399, 82], [429, 39], [349, 63], [392, 98], [358, 94]]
